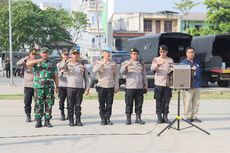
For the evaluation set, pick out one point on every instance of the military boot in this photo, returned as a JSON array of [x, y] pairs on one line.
[[47, 123], [103, 119], [160, 119], [28, 117], [138, 119], [128, 121], [78, 121], [165, 118], [62, 115], [71, 121], [39, 123], [108, 120]]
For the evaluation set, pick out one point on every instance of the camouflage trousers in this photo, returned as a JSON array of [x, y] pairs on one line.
[[44, 100]]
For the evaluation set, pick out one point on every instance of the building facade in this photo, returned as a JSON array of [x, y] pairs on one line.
[[129, 25], [193, 20]]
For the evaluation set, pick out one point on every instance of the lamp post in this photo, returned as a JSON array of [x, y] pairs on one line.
[[98, 28], [10, 43]]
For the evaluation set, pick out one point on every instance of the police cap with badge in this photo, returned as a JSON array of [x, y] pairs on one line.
[[134, 50], [65, 52], [108, 50], [164, 48], [75, 50], [44, 50], [33, 51]]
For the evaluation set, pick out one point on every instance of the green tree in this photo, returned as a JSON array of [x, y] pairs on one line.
[[32, 25], [78, 25], [185, 6], [199, 32], [218, 15]]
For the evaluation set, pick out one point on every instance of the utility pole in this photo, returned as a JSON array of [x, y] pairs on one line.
[[10, 43], [98, 28]]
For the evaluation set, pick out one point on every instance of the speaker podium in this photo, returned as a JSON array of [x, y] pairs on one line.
[[179, 79]]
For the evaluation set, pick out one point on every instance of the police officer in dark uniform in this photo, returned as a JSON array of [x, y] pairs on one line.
[[162, 93], [62, 77], [108, 84], [77, 84], [28, 82], [136, 85]]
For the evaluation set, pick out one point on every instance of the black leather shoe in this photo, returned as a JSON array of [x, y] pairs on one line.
[[197, 120], [159, 119], [103, 121], [78, 121], [28, 118], [108, 122], [39, 123], [189, 120], [47, 123], [71, 121], [62, 116], [165, 119], [128, 121]]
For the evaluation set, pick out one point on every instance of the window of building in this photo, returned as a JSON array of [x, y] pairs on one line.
[[158, 26], [168, 26], [148, 26]]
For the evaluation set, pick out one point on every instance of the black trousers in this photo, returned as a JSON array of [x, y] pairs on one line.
[[105, 98], [8, 72], [134, 95], [62, 97], [75, 96], [162, 96], [28, 96]]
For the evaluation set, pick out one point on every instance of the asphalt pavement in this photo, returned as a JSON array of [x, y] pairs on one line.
[[18, 136]]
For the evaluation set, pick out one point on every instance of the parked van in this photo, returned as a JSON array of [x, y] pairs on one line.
[[214, 53], [148, 47]]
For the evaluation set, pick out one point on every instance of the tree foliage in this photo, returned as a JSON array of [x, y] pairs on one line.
[[31, 25], [79, 24], [218, 15], [199, 32], [185, 6]]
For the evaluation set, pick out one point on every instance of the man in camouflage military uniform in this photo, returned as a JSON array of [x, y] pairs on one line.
[[62, 78], [107, 85], [45, 74], [136, 85], [28, 83]]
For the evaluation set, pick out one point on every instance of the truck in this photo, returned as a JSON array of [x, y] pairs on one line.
[[148, 47], [213, 51]]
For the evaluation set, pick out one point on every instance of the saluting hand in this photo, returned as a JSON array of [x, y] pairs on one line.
[[69, 60], [39, 60], [128, 63]]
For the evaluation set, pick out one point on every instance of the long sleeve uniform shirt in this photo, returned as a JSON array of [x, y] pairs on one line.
[[107, 74], [135, 74]]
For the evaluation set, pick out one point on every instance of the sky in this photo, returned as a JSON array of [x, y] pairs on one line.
[[145, 5]]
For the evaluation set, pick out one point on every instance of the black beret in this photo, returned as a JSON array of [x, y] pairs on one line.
[[163, 47], [134, 50]]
